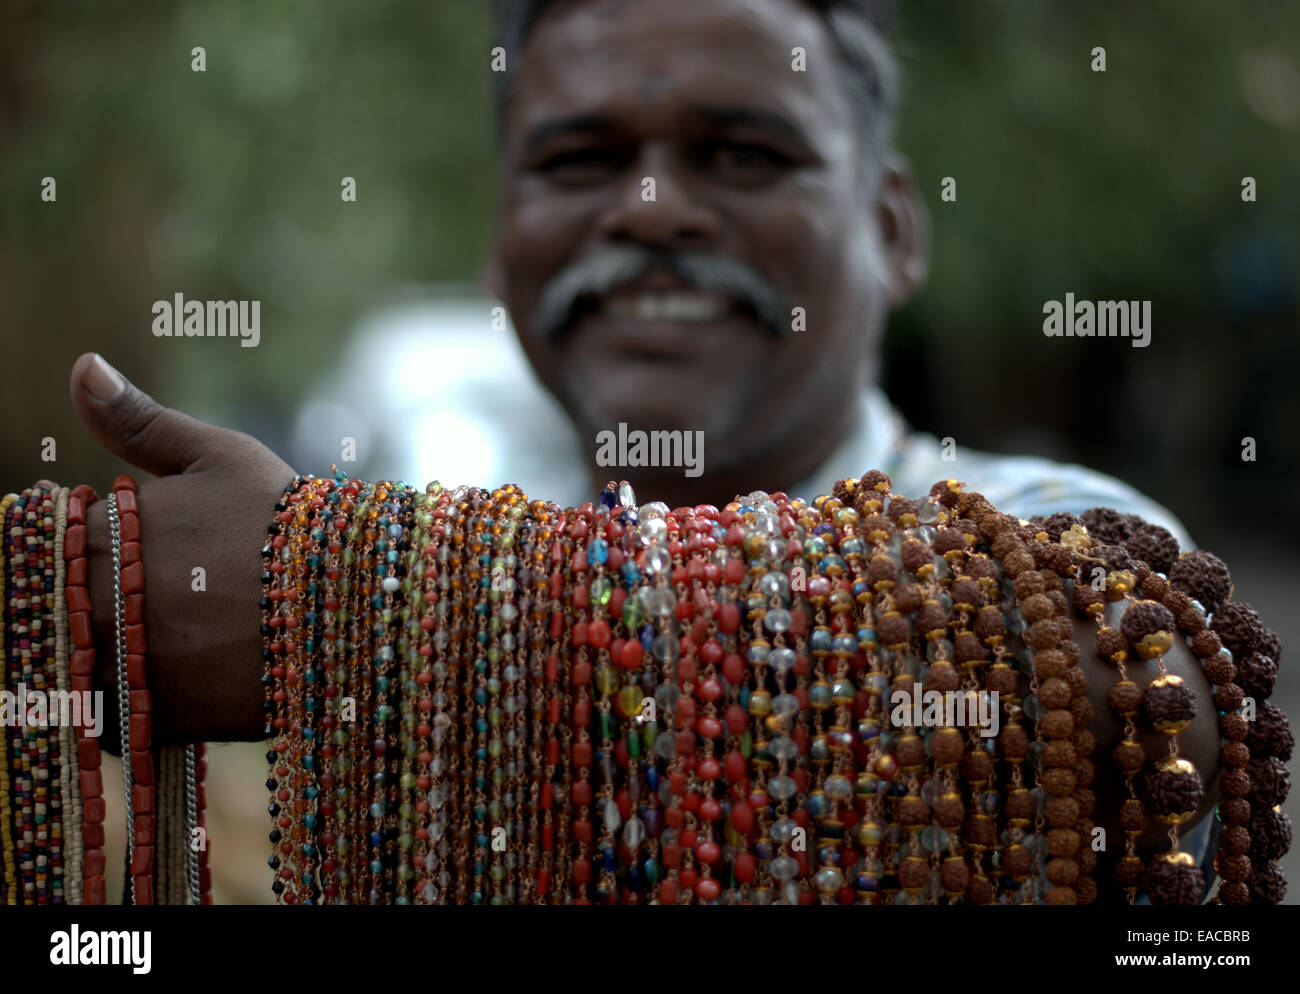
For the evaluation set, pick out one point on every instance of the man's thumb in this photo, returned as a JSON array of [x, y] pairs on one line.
[[130, 423]]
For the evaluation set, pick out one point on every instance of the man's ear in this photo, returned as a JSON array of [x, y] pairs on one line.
[[904, 230]]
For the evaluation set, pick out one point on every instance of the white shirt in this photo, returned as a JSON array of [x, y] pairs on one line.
[[1025, 486]]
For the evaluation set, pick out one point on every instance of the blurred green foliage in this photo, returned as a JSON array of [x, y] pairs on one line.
[[1112, 182], [225, 183], [1123, 184]]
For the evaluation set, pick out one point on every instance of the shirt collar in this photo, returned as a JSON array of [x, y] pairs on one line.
[[876, 439]]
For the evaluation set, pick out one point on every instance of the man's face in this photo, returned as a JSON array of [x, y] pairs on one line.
[[752, 163]]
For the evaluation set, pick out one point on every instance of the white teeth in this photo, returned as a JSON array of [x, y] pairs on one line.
[[666, 306]]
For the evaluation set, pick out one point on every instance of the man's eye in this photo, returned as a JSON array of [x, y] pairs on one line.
[[581, 165], [742, 162]]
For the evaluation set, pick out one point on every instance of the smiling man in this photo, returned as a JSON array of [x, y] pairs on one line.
[[702, 227], [671, 190]]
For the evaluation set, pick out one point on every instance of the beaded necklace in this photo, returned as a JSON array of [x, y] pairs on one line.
[[316, 683], [287, 648], [873, 684], [493, 831], [935, 656], [1244, 861], [660, 602], [10, 883], [47, 639], [1043, 609], [700, 851], [69, 797], [444, 796], [1173, 785], [34, 741], [299, 681], [723, 723], [532, 583], [90, 801], [399, 805], [639, 730], [618, 701], [635, 682], [582, 750], [744, 763], [894, 594], [502, 687], [516, 673], [569, 677], [763, 723], [276, 703], [352, 769], [18, 891], [830, 601], [838, 857], [980, 636], [334, 617], [985, 670], [425, 708], [462, 649], [372, 870], [979, 648], [486, 735], [1125, 699], [521, 855]]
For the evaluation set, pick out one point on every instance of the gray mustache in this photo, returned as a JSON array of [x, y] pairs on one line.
[[612, 267]]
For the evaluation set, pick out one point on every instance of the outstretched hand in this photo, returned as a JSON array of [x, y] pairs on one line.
[[208, 509]]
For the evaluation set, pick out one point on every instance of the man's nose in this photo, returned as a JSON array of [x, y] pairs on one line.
[[656, 204]]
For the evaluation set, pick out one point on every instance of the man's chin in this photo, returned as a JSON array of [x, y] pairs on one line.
[[650, 396], [675, 410]]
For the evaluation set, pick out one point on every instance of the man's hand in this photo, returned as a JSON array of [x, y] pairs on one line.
[[210, 508]]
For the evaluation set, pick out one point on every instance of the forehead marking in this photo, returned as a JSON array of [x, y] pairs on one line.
[[654, 85]]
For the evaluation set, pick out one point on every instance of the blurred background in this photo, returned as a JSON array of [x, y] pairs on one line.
[[225, 184]]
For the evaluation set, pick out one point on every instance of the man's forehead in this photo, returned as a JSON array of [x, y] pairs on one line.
[[621, 58]]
